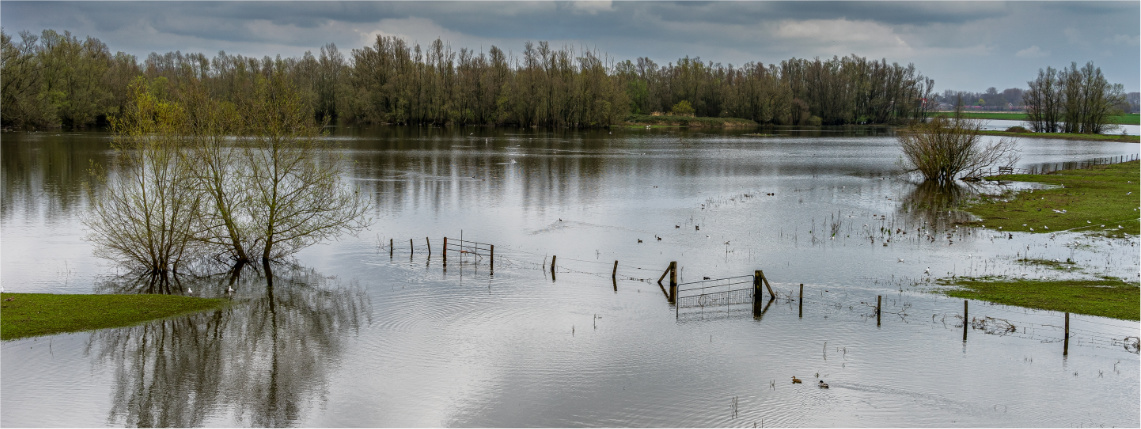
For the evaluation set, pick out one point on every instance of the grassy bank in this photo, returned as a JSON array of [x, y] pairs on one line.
[[688, 122], [1067, 136], [33, 314], [1094, 199], [1106, 298], [1127, 119]]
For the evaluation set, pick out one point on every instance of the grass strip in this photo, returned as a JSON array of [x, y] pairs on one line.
[[33, 314], [1106, 298], [1126, 119], [1067, 136], [689, 122], [1097, 199]]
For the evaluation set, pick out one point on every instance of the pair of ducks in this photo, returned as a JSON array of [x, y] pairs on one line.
[[820, 383]]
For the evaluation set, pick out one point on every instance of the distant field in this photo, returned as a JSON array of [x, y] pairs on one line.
[[1129, 119]]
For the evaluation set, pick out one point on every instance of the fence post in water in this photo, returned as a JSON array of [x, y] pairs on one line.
[[614, 274], [492, 246], [966, 321], [879, 300], [429, 244], [445, 251], [801, 298], [757, 294], [673, 282], [390, 248], [1066, 341], [553, 265], [411, 249]]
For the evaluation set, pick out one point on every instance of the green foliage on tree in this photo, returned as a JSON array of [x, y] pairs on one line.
[[682, 108]]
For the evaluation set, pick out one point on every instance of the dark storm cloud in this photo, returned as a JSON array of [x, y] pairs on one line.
[[950, 41]]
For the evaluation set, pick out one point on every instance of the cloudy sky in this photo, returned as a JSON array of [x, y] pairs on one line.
[[963, 45]]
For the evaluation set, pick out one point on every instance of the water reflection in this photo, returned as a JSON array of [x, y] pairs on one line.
[[937, 204], [262, 361]]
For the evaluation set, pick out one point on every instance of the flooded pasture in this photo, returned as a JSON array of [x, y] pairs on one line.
[[358, 333]]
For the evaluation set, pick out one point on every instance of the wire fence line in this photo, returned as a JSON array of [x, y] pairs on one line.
[[728, 296]]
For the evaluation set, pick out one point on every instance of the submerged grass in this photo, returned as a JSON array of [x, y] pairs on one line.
[[33, 314], [1107, 298], [1098, 199], [1066, 136], [1126, 119]]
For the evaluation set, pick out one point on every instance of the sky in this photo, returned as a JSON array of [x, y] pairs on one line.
[[962, 45]]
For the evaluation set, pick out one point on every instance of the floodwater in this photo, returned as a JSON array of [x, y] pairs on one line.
[[355, 333]]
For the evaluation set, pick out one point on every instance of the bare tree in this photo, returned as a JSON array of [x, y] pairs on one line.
[[943, 149], [147, 215]]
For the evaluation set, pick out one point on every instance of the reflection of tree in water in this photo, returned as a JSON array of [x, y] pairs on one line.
[[938, 205], [260, 361]]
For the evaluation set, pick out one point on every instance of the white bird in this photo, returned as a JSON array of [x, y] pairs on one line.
[[927, 271], [900, 259], [229, 289], [189, 290]]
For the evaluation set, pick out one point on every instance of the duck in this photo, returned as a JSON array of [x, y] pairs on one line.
[[795, 380], [822, 384]]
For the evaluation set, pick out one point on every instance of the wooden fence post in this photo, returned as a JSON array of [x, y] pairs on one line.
[[1066, 341], [757, 294], [390, 248], [879, 300], [673, 282], [966, 321], [445, 251], [801, 300], [410, 248], [553, 265], [614, 274], [429, 244], [492, 256]]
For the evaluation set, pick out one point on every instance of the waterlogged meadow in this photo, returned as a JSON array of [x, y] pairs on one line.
[[375, 329]]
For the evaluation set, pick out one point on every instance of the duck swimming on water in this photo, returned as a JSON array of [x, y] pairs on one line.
[[795, 380], [822, 384]]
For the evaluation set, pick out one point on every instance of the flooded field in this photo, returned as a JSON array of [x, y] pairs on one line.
[[358, 333]]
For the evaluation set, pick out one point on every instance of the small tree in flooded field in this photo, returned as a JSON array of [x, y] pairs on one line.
[[207, 178], [945, 149], [147, 216]]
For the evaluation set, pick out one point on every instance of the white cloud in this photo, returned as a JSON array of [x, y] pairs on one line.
[[1032, 52], [843, 36], [593, 7]]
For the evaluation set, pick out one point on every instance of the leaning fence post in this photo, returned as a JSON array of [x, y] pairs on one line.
[[429, 244], [1066, 341], [614, 274]]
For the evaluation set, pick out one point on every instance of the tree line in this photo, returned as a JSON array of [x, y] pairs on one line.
[[59, 80], [1072, 100]]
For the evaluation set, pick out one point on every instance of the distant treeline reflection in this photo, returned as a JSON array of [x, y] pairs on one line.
[[57, 79]]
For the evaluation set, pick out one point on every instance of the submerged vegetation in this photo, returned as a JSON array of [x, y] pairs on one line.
[[35, 314], [57, 79], [1102, 198], [1107, 298], [944, 149]]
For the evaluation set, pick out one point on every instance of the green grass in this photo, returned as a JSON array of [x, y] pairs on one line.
[[685, 121], [1106, 298], [1126, 119], [1097, 199], [1067, 136], [33, 314]]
